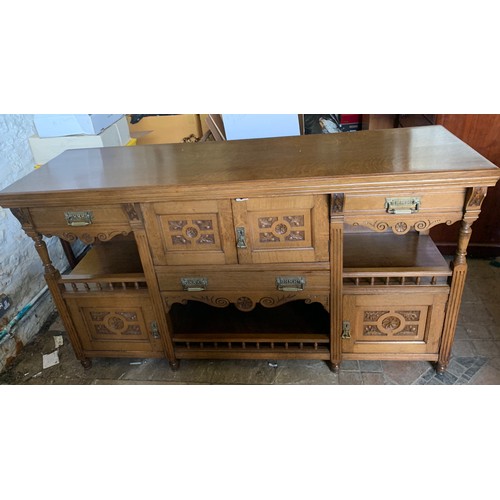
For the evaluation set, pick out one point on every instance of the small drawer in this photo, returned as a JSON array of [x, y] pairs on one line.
[[285, 281], [70, 222], [403, 211], [404, 203]]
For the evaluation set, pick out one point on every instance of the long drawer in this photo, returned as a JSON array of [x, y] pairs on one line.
[[276, 280]]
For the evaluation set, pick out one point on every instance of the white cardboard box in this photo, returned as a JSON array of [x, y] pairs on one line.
[[63, 125], [259, 126], [46, 148]]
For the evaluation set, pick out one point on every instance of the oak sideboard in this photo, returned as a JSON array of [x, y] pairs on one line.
[[309, 247]]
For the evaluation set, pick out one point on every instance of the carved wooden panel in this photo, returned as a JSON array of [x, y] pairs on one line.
[[246, 302], [394, 323], [115, 324], [282, 229], [191, 233]]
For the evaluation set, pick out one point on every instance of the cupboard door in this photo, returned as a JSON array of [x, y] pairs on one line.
[[116, 325], [408, 322], [191, 232], [281, 229]]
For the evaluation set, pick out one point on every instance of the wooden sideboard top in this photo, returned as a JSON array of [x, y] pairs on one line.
[[397, 158]]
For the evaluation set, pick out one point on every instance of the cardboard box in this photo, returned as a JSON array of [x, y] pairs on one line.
[[260, 126], [63, 125], [166, 129], [46, 148]]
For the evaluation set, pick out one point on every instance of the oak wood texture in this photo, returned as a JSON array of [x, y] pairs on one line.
[[388, 251], [394, 322], [237, 215], [122, 326], [313, 164]]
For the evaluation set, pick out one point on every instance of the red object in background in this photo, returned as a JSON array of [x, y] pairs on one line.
[[344, 119], [350, 123]]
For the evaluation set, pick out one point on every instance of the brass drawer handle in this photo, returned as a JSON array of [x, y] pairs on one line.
[[290, 283], [194, 284], [400, 206], [77, 219]]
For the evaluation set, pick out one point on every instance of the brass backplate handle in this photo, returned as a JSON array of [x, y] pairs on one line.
[[241, 241], [399, 206], [346, 330], [290, 283], [154, 330], [194, 284], [77, 219]]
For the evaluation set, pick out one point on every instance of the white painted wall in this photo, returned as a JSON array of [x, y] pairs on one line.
[[21, 271]]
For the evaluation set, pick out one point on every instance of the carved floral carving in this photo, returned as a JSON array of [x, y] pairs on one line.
[[248, 302], [89, 238], [477, 196], [115, 323], [284, 229], [403, 226], [391, 323], [198, 232], [337, 203]]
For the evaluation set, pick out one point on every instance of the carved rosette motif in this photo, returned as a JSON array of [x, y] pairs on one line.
[[115, 323], [190, 232], [285, 228], [391, 323]]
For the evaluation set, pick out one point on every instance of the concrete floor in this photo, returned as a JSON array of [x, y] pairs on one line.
[[475, 356]]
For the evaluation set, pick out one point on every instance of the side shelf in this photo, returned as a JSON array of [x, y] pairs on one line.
[[394, 296], [107, 297]]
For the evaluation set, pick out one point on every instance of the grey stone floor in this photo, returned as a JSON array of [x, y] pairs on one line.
[[475, 356]]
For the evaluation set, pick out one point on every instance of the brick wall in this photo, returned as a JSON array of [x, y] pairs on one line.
[[21, 271]]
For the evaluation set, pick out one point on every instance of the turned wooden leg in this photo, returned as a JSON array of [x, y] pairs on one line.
[[441, 367], [334, 367], [174, 365], [86, 363]]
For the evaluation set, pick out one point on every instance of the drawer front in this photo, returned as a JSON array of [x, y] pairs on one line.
[[403, 211], [395, 322], [87, 223], [241, 281]]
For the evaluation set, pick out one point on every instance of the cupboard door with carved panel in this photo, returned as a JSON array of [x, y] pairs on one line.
[[393, 322], [198, 232], [281, 229], [123, 326]]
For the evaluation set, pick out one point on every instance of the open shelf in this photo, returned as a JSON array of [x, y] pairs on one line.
[[390, 251], [108, 258], [107, 266], [296, 328], [375, 259]]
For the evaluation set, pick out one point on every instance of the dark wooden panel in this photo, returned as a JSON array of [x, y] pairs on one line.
[[481, 132]]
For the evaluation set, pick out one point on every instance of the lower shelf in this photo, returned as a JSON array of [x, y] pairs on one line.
[[293, 330]]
